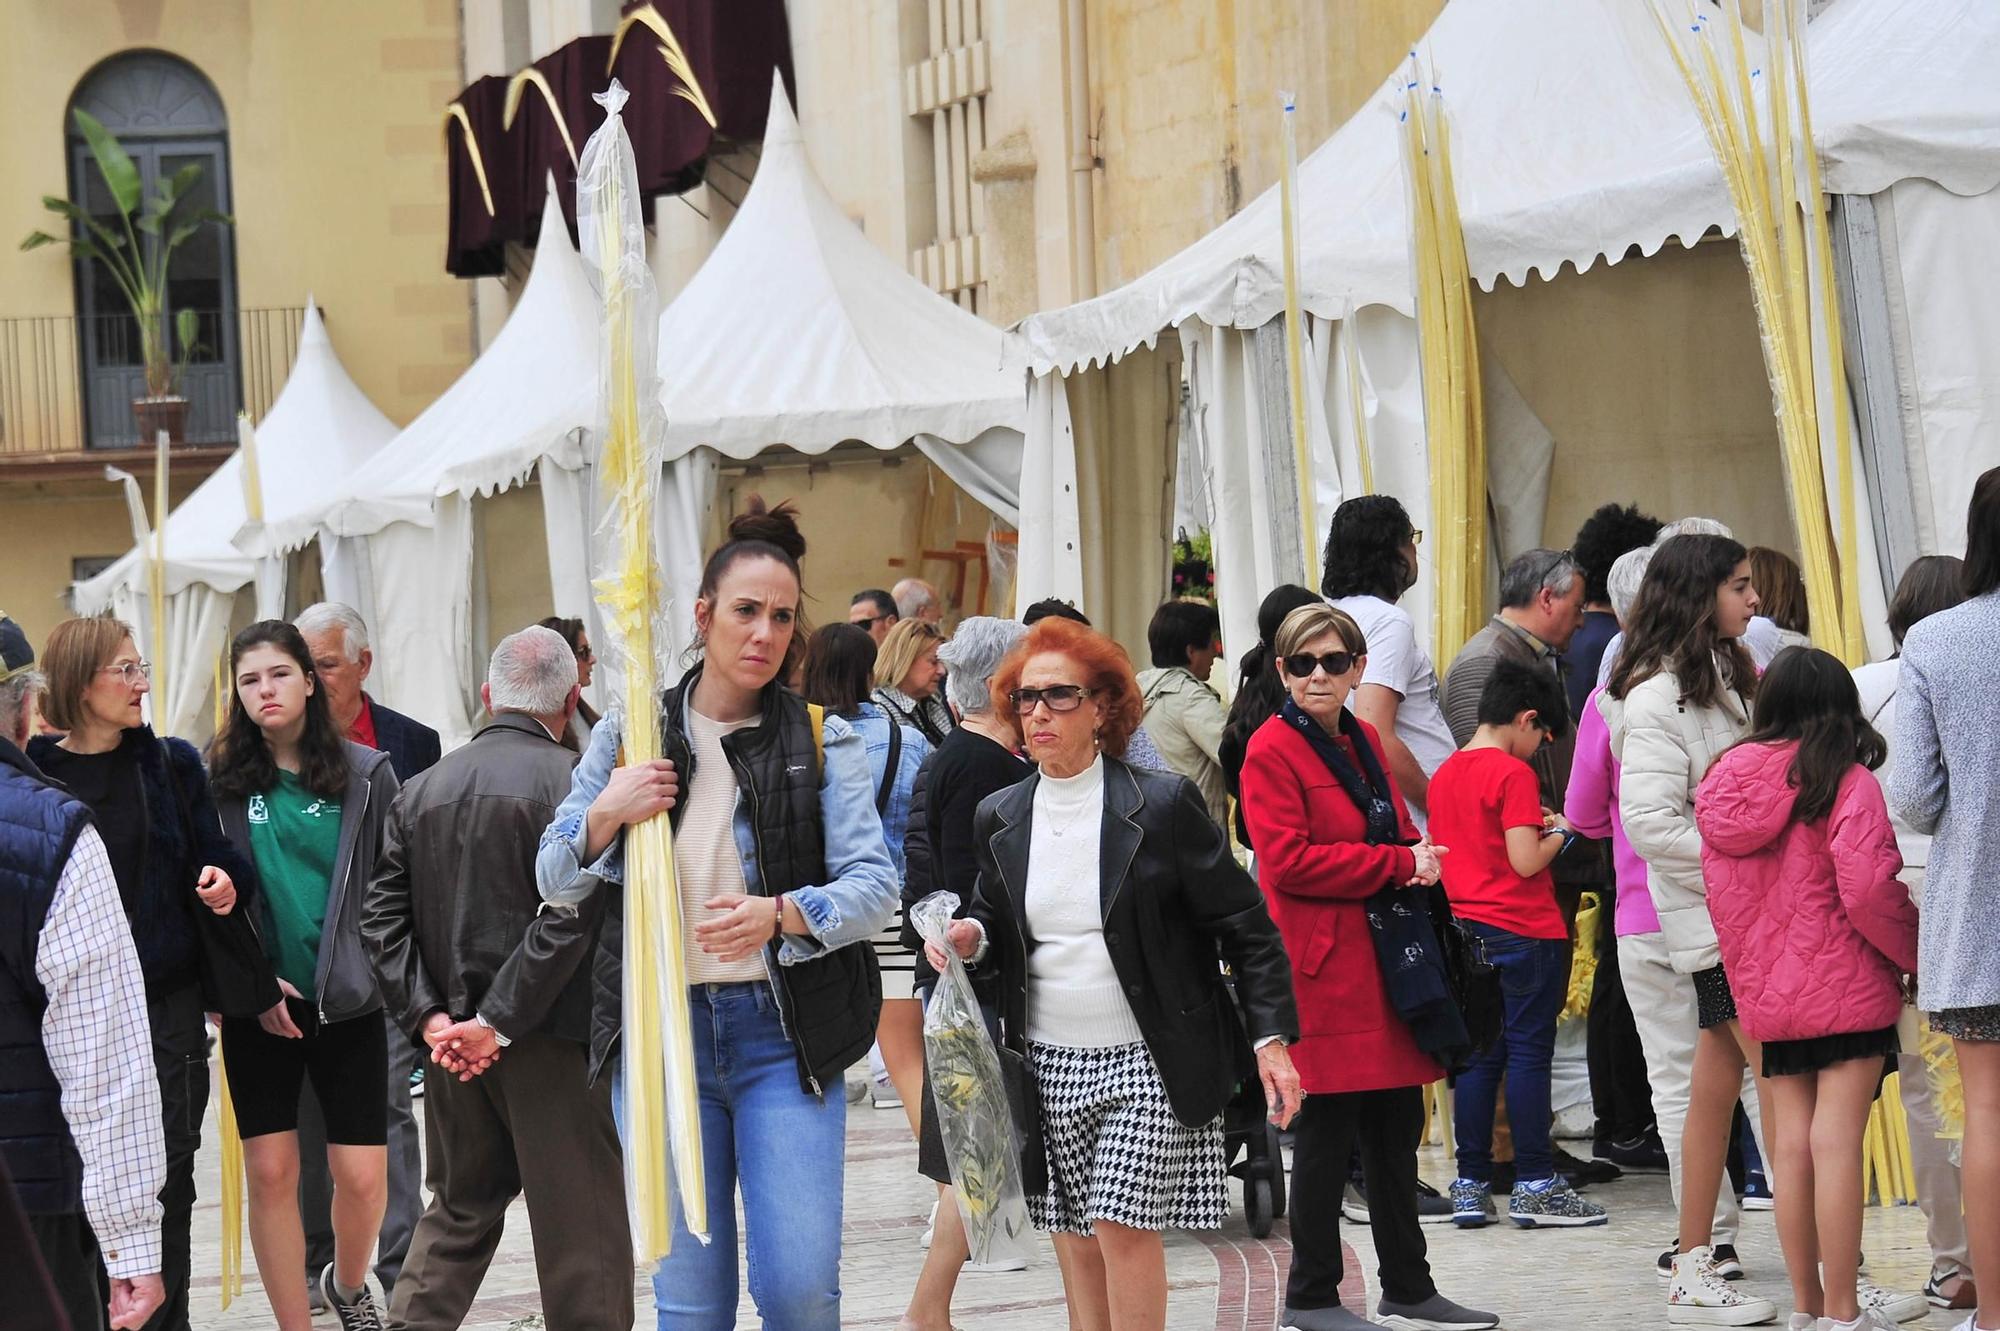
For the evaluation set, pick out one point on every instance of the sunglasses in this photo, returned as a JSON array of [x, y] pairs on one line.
[[1058, 697], [869, 622], [1335, 664]]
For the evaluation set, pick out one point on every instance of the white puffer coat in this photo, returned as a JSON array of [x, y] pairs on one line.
[[1664, 747]]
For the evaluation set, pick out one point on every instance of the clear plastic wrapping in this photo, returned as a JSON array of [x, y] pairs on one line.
[[977, 1128]]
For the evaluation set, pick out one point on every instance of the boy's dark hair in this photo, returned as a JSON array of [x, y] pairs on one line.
[[1809, 697], [1606, 534], [1179, 627], [885, 604], [1515, 687], [1042, 609], [1364, 549]]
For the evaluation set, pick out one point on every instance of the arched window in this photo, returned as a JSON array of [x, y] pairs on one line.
[[167, 116]]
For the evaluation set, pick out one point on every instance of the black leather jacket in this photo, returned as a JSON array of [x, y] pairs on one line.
[[452, 917], [1172, 896]]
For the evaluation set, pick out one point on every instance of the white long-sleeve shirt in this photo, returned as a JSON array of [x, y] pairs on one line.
[[1074, 997], [100, 1046]]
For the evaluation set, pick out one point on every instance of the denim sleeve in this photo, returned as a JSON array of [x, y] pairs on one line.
[[860, 893], [560, 874]]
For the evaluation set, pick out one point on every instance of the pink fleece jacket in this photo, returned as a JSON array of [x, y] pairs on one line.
[[1815, 929], [1591, 806]]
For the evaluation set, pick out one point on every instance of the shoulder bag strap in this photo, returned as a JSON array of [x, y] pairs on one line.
[[888, 785]]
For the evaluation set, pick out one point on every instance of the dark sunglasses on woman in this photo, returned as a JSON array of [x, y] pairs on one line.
[[1335, 664]]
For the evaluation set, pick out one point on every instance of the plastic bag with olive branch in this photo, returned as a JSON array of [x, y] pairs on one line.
[[980, 1141]]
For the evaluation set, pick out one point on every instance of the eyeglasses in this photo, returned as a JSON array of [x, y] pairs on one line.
[[1059, 697], [1556, 560], [1416, 536], [130, 671], [1335, 664], [584, 656]]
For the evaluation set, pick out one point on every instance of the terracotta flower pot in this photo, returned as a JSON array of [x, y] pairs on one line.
[[155, 414]]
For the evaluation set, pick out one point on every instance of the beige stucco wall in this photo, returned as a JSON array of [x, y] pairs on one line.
[[335, 150], [42, 528]]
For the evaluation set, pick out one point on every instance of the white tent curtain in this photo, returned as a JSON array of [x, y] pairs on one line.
[[1099, 454], [680, 538], [987, 467], [423, 623], [1239, 404], [1945, 317], [197, 633], [345, 575], [566, 515]]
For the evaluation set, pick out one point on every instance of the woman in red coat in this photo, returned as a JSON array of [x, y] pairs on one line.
[[1331, 831]]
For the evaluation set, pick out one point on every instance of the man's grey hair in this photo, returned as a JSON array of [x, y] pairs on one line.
[[1693, 527], [1627, 572], [15, 695], [914, 597], [1529, 573], [973, 654], [326, 616], [532, 671]]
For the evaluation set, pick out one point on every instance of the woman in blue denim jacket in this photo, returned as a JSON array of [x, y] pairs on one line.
[[782, 871], [839, 664]]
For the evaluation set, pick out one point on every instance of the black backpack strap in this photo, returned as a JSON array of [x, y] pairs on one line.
[[888, 785]]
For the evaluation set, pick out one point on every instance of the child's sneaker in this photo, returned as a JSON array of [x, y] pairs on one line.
[[1471, 1204], [1697, 1296], [1552, 1204]]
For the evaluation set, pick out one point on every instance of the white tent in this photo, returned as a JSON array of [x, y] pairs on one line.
[[1573, 141], [401, 528], [798, 332], [321, 427]]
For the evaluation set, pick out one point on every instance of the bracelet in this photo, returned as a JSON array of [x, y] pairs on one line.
[[778, 918]]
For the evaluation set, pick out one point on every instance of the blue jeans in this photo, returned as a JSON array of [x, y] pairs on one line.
[[1534, 980], [786, 1149]]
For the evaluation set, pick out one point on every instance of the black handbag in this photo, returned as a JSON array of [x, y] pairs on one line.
[[1474, 981], [236, 977], [1024, 1101]]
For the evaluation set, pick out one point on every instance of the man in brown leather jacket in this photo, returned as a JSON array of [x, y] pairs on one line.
[[473, 967]]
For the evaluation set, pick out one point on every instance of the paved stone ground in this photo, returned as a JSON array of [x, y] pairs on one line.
[[1537, 1280]]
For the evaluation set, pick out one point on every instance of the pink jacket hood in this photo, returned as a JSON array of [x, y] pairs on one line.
[[1815, 929], [1746, 802]]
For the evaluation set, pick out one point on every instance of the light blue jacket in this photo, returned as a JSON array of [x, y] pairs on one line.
[[873, 723], [862, 890]]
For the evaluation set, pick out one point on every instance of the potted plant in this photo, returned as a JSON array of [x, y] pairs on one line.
[[139, 266]]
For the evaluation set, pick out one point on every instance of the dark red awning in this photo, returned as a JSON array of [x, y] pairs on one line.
[[499, 170]]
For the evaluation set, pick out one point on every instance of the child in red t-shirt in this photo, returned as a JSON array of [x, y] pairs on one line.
[[1486, 806]]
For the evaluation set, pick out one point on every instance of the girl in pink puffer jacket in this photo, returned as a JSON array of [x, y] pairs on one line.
[[1816, 934]]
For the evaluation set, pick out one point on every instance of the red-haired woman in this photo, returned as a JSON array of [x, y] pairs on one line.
[[1104, 893]]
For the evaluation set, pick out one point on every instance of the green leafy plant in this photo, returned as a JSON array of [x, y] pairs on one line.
[[139, 267]]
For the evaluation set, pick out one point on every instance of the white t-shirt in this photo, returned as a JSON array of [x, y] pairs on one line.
[[1876, 682], [1397, 663]]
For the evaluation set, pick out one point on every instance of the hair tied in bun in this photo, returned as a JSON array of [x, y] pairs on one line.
[[769, 526]]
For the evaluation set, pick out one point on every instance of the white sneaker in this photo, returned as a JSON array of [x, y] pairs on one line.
[[1697, 1296], [1895, 1305], [1803, 1322], [1871, 1319]]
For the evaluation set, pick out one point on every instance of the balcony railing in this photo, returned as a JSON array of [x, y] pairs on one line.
[[67, 382]]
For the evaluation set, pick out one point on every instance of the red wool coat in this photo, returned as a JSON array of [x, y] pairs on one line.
[[1316, 870]]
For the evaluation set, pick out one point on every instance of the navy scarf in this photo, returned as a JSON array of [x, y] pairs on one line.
[[1368, 786]]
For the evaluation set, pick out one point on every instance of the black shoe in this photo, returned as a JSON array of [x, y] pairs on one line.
[[1634, 1155], [1433, 1208], [1582, 1173]]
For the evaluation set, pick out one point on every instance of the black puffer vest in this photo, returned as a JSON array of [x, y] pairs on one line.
[[39, 825], [830, 1004]]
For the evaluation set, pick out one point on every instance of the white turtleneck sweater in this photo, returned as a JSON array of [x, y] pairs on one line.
[[1074, 998]]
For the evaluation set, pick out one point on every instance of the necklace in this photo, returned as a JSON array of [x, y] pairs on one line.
[[1060, 830]]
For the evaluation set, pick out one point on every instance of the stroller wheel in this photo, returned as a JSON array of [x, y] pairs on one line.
[[1275, 1152], [1258, 1205]]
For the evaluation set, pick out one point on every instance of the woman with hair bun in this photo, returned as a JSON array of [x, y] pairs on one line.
[[784, 876]]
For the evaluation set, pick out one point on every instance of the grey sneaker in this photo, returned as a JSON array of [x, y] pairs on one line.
[[1552, 1205], [1437, 1313], [1335, 1318], [360, 1315], [1471, 1204]]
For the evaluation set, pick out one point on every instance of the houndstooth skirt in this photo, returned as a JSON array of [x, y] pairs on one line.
[[1115, 1150]]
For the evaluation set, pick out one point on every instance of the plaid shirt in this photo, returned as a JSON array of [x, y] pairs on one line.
[[100, 1046]]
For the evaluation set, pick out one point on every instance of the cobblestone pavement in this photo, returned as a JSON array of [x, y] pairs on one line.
[[1537, 1280]]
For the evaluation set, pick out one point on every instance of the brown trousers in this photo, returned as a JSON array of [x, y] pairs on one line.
[[531, 1124]]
